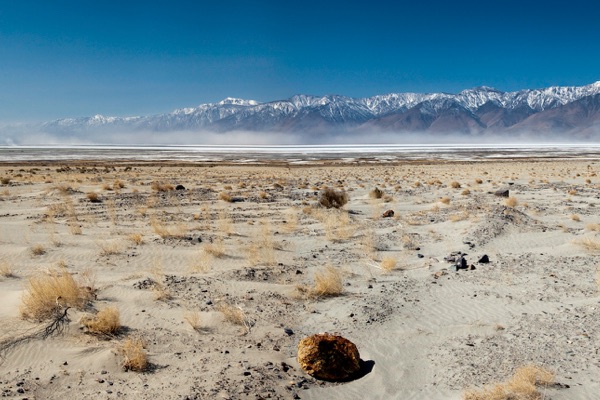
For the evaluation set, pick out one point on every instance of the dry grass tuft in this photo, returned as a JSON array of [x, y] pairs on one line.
[[105, 323], [216, 248], [6, 270], [262, 251], [328, 283], [193, 318], [136, 238], [388, 264], [38, 250], [575, 218], [330, 198], [5, 180], [93, 197], [376, 193], [225, 196], [511, 201], [168, 231], [589, 243], [46, 293], [445, 200], [593, 227], [454, 185], [234, 315], [162, 187], [109, 247], [134, 354], [466, 192], [523, 385], [118, 184]]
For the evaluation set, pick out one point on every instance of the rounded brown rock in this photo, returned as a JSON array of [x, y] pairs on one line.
[[328, 357]]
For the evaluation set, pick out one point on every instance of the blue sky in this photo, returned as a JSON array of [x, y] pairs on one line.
[[78, 58]]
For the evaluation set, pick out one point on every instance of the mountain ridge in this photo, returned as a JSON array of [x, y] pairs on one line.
[[483, 110]]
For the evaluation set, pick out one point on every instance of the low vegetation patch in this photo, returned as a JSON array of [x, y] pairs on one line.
[[328, 283], [330, 198], [48, 292], [135, 357], [106, 322], [523, 385]]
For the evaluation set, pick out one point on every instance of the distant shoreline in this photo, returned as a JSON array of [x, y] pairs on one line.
[[293, 155]]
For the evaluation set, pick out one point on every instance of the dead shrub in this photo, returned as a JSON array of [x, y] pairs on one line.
[[330, 198], [376, 193], [93, 197], [38, 250], [162, 187], [48, 292]]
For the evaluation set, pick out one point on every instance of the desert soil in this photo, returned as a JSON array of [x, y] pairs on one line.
[[252, 238]]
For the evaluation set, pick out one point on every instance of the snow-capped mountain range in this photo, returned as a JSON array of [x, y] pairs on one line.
[[571, 110]]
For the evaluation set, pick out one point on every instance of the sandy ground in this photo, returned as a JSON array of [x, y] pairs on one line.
[[427, 332]]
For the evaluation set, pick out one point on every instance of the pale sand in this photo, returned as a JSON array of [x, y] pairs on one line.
[[537, 301]]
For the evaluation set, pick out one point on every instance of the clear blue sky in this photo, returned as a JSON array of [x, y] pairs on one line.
[[77, 58]]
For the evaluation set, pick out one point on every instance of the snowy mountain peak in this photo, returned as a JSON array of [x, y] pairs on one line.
[[472, 110], [237, 102]]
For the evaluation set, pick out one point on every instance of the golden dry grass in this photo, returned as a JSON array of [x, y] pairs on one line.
[[328, 283], [589, 243], [193, 318], [235, 315], [445, 200], [136, 238], [511, 201], [216, 248], [6, 270], [106, 322], [109, 247], [168, 231], [454, 185], [593, 227], [162, 187], [232, 314], [47, 292], [523, 385], [262, 250], [225, 196], [575, 218], [388, 264], [134, 354]]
